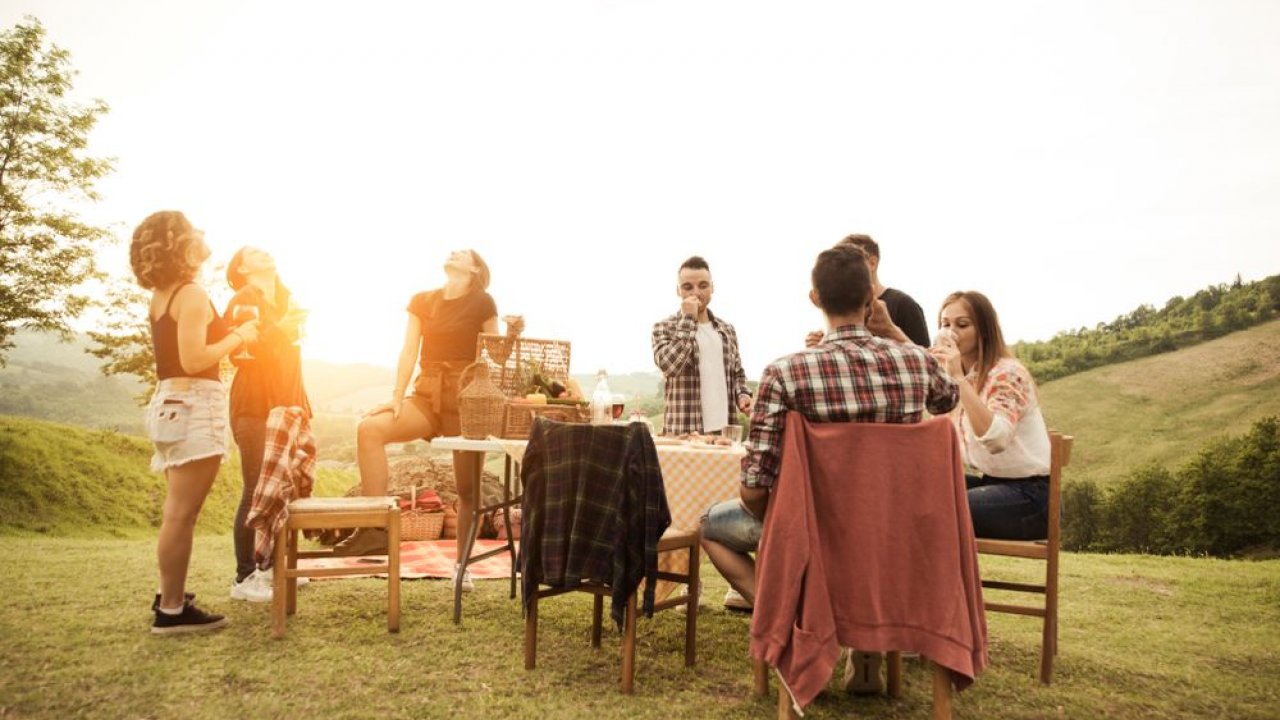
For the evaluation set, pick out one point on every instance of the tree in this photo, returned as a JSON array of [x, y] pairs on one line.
[[46, 252], [124, 341]]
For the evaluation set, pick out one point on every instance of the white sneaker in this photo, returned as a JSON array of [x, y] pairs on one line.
[[734, 601], [467, 584], [254, 588], [302, 581]]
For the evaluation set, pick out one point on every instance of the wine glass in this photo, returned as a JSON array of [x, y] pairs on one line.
[[241, 314]]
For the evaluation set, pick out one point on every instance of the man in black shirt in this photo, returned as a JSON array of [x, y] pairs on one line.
[[905, 321]]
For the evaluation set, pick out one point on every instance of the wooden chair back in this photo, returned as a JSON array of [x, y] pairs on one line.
[[538, 492], [1046, 550]]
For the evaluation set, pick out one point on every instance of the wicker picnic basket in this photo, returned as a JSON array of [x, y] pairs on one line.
[[519, 420], [521, 358], [416, 524], [480, 403]]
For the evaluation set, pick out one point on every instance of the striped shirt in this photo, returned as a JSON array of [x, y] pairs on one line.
[[675, 351], [851, 376]]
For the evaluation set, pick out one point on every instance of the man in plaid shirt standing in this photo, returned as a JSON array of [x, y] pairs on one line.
[[697, 353], [850, 375]]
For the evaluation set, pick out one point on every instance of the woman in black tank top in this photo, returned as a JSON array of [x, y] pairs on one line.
[[187, 416]]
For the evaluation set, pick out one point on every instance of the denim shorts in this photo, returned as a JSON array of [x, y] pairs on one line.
[[187, 420], [729, 524]]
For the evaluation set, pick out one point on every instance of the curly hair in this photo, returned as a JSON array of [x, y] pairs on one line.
[[160, 253]]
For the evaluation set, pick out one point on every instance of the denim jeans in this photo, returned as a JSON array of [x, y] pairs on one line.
[[729, 524], [251, 437], [1006, 509]]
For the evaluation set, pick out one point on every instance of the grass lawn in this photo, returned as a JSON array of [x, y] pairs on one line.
[[1142, 637]]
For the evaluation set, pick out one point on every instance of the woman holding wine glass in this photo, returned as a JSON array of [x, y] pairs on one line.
[[187, 416], [440, 338], [268, 375], [1003, 434]]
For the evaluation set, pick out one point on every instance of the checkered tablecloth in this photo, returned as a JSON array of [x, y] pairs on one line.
[[695, 477]]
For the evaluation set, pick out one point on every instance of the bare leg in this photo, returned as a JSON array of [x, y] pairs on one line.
[[188, 486], [372, 436], [738, 568], [465, 473]]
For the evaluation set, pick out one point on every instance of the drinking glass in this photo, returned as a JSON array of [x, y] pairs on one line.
[[241, 314], [944, 336], [618, 407], [732, 433]]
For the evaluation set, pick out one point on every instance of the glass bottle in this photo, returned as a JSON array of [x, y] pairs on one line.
[[602, 401]]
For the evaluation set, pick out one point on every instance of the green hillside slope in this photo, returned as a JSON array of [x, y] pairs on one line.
[[1163, 408], [63, 480]]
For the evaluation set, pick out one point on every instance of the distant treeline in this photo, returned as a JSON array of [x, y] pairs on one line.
[[1212, 312], [1223, 502]]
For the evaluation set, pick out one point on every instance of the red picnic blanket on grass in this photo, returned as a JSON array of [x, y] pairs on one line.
[[427, 559]]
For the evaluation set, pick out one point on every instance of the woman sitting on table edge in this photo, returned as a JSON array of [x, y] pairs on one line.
[[1002, 432], [440, 337]]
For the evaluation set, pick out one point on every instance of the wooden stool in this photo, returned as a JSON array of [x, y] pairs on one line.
[[319, 513]]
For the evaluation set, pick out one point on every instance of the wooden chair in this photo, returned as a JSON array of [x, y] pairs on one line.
[[332, 513], [1046, 550], [540, 494], [837, 485], [671, 541]]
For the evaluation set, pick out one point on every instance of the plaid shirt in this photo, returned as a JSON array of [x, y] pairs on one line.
[[594, 509], [675, 350], [288, 473], [850, 377]]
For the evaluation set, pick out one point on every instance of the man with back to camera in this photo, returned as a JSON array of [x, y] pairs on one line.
[[840, 379], [894, 314], [697, 352]]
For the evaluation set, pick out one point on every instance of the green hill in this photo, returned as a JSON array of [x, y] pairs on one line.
[[1163, 408], [63, 480]]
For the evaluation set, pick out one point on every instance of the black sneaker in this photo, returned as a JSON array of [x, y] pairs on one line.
[[191, 619], [155, 604]]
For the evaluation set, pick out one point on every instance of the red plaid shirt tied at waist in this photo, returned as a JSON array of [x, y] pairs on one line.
[[852, 376], [288, 473]]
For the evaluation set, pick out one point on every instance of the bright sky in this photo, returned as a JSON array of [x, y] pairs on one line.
[[1071, 160]]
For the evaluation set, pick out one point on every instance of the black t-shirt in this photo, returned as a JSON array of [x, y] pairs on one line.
[[450, 327], [907, 315]]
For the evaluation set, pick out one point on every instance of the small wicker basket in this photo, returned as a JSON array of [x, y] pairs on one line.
[[520, 415], [480, 403], [418, 524]]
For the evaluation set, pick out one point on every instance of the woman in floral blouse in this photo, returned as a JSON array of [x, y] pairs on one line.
[[1002, 431]]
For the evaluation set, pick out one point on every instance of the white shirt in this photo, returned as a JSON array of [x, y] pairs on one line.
[[715, 398], [1017, 443]]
